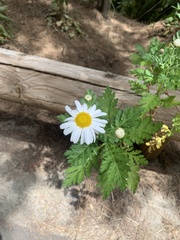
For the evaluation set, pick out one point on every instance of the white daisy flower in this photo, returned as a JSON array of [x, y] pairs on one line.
[[84, 123]]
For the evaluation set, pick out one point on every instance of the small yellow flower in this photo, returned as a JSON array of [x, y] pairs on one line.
[[158, 142], [165, 129], [163, 138]]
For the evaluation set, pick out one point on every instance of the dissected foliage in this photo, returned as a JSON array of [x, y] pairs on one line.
[[173, 20], [115, 156], [115, 159], [159, 67]]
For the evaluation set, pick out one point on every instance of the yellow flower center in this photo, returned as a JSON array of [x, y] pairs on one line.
[[83, 119]]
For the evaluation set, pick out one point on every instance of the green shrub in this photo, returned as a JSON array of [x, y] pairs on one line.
[[145, 11], [174, 18], [59, 18], [5, 23]]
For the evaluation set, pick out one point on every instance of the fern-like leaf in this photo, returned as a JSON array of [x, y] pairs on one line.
[[169, 102], [74, 175], [113, 171], [137, 128], [108, 103], [143, 129], [136, 159], [138, 86], [81, 158], [149, 102]]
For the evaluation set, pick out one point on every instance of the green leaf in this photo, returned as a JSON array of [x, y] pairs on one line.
[[176, 123], [133, 178], [138, 86], [135, 160], [81, 158], [135, 58], [135, 155], [81, 154], [143, 129], [3, 17], [74, 175], [128, 116], [108, 103], [169, 102], [137, 128], [149, 102], [140, 49], [62, 117], [114, 170]]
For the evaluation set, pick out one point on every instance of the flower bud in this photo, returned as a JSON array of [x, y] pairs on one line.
[[88, 97], [120, 132], [161, 50], [176, 43]]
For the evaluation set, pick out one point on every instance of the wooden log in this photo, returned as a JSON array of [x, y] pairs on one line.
[[49, 84]]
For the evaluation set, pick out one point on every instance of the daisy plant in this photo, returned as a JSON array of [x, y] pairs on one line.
[[104, 138], [107, 138]]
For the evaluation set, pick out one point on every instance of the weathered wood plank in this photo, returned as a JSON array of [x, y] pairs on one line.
[[49, 84], [56, 68]]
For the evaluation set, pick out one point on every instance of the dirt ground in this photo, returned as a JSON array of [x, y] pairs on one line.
[[33, 204]]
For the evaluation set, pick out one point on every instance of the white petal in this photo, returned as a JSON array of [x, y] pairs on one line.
[[92, 109], [75, 135], [69, 129], [93, 134], [65, 125], [69, 119], [78, 106], [82, 137], [100, 121], [85, 108], [97, 128], [98, 124], [98, 113], [88, 136], [70, 111]]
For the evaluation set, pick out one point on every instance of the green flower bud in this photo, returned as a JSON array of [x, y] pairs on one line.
[[176, 43], [120, 132], [88, 97]]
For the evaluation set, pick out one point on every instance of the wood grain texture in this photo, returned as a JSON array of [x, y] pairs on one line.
[[49, 84]]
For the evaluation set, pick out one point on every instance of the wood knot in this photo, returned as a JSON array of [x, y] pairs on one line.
[[19, 89]]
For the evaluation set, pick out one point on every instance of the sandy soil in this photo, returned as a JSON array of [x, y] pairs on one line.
[[33, 204]]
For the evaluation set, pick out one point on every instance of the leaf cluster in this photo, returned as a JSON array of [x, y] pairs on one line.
[[157, 72], [5, 23], [148, 11], [116, 160], [176, 123], [59, 18], [174, 19]]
